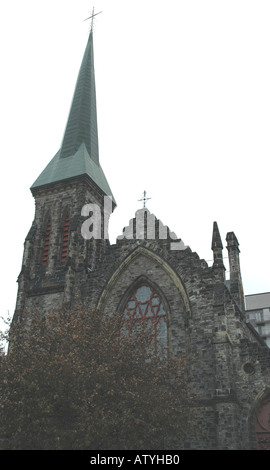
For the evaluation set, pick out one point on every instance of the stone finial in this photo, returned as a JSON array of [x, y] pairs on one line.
[[217, 248], [216, 239], [232, 241], [236, 286]]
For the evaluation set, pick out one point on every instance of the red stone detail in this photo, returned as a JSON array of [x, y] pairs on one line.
[[144, 310], [46, 244], [65, 240]]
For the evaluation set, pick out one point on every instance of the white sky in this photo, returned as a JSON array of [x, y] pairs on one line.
[[183, 100]]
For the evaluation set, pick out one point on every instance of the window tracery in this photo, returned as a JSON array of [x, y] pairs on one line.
[[144, 312]]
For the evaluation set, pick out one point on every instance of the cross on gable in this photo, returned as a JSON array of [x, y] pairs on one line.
[[144, 198]]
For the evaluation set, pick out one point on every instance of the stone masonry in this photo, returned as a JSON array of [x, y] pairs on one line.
[[228, 364]]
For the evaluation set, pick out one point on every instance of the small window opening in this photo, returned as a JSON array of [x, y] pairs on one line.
[[46, 244], [65, 240]]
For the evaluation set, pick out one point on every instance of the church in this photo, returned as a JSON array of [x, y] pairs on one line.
[[148, 271]]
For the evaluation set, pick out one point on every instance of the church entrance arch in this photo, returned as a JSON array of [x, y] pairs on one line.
[[262, 424]]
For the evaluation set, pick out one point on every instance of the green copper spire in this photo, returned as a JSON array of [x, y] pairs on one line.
[[82, 121], [79, 152]]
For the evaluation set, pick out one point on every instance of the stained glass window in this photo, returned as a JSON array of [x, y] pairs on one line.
[[144, 311]]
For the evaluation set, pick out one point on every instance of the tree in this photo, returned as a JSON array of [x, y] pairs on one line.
[[74, 380]]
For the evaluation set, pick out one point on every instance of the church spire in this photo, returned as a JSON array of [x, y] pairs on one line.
[[82, 121], [79, 151]]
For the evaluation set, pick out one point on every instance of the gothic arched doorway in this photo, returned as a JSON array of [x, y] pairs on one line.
[[263, 425]]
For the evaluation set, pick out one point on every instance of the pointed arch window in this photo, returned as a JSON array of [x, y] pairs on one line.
[[46, 245], [144, 311], [65, 239]]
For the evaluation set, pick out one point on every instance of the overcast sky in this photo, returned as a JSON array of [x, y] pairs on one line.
[[183, 97]]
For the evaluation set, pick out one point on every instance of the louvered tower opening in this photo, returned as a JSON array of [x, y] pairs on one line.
[[46, 244], [65, 240]]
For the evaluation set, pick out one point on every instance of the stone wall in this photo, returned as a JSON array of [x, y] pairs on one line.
[[226, 363]]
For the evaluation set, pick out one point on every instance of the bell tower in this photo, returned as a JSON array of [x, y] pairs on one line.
[[56, 254]]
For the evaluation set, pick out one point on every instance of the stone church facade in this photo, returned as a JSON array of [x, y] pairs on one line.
[[67, 254]]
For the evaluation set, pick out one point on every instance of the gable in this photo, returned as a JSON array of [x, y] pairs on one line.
[[143, 262]]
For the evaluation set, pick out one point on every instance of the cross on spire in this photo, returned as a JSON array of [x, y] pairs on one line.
[[144, 198], [92, 18]]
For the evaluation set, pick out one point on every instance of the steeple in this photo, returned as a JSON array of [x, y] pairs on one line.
[[82, 121], [56, 255], [79, 152]]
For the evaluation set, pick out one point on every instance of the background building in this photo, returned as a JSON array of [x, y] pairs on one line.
[[258, 313]]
